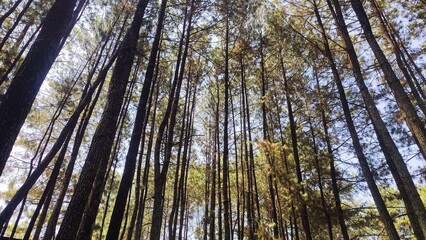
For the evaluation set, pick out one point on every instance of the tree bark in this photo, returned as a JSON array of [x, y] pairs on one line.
[[20, 95], [103, 138], [409, 113], [415, 208]]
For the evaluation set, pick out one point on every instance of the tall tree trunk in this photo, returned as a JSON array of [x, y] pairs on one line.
[[333, 173], [409, 113], [23, 89], [9, 11], [226, 201], [160, 173], [180, 166], [145, 176], [186, 163], [248, 196], [319, 175], [51, 226], [387, 30], [175, 201], [380, 204], [69, 127], [304, 210], [237, 177], [267, 139], [397, 166], [130, 165], [103, 138]]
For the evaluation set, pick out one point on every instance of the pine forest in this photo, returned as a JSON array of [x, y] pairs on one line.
[[213, 119]]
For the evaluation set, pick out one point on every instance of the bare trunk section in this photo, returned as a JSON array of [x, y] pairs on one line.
[[20, 95]]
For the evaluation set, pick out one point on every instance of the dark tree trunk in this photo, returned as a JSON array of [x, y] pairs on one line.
[[9, 11], [23, 89], [319, 176], [145, 176], [212, 215], [103, 138], [130, 165], [237, 178], [304, 210], [226, 202], [409, 113], [69, 127], [12, 65], [15, 24], [183, 185], [333, 173], [268, 140], [397, 166], [175, 202]]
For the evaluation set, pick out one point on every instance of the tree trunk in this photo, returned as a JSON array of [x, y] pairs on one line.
[[10, 11], [409, 113], [226, 201], [304, 210], [103, 138], [397, 166], [23, 89], [333, 173]]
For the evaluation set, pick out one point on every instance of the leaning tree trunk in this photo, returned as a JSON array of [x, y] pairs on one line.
[[397, 166], [414, 123], [333, 173], [103, 138], [9, 11], [380, 204], [20, 95]]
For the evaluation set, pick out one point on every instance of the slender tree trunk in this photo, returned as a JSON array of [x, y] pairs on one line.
[[4, 76], [255, 192], [237, 178], [23, 89], [69, 127], [247, 195], [397, 166], [9, 11], [49, 192], [333, 173], [226, 201], [267, 139], [103, 138], [144, 195], [15, 24], [207, 181], [219, 166], [212, 215], [383, 23], [304, 209], [319, 176], [160, 174], [138, 192], [186, 163], [180, 166], [175, 201], [409, 113]]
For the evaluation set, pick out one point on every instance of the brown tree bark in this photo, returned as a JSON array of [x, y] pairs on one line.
[[103, 138], [414, 123], [394, 160], [23, 89], [304, 210]]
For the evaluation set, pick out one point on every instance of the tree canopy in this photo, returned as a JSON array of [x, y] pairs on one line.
[[204, 119]]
